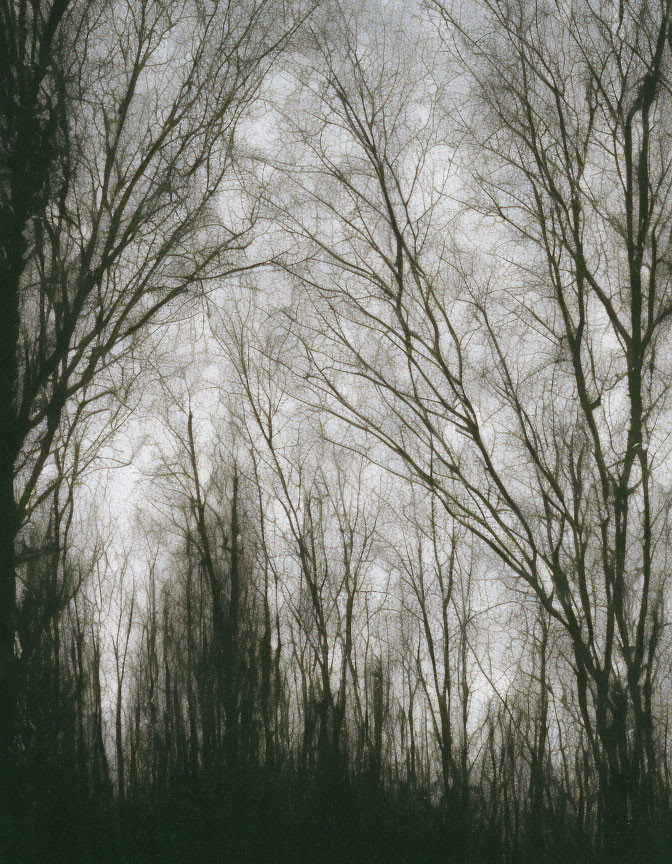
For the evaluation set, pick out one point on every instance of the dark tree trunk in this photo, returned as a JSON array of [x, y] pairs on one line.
[[230, 643], [8, 527]]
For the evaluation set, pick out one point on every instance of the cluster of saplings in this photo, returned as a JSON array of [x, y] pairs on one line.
[[230, 745]]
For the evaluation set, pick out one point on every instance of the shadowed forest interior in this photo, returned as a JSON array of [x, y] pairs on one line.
[[335, 411]]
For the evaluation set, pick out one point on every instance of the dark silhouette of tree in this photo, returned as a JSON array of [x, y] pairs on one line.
[[109, 175], [545, 454]]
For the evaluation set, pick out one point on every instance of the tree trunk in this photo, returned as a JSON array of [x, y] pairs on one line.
[[8, 664]]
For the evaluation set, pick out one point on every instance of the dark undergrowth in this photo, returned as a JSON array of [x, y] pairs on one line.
[[278, 821]]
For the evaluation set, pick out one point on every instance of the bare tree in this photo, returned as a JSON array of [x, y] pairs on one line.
[[549, 454], [120, 644], [118, 135]]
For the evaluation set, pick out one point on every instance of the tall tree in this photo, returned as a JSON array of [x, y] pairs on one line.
[[117, 134], [528, 395]]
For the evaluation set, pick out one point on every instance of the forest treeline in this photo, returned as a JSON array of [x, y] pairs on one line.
[[220, 730], [336, 512]]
